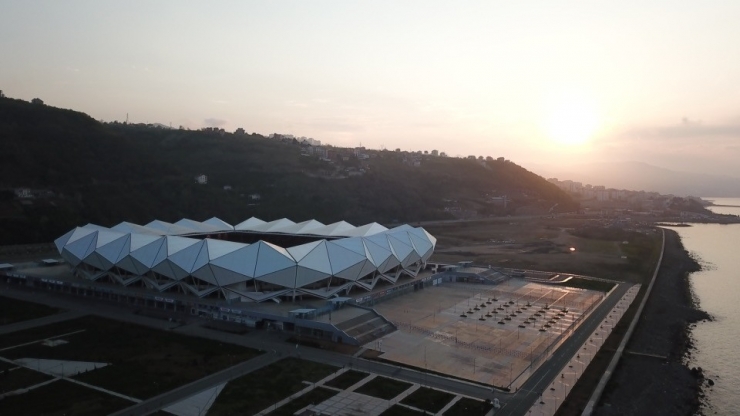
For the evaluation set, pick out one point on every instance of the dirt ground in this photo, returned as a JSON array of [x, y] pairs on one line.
[[538, 244]]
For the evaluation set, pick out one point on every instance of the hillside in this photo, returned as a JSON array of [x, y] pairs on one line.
[[80, 170]]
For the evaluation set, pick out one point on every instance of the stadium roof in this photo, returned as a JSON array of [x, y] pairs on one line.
[[164, 256]]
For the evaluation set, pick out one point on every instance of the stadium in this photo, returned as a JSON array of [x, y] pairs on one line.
[[253, 261]]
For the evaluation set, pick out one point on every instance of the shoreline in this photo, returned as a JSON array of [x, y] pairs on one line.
[[647, 384]]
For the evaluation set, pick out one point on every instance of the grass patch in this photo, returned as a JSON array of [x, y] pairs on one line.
[[20, 378], [428, 399], [383, 388], [144, 361], [314, 397], [13, 310], [397, 410], [62, 398], [598, 285], [258, 390], [347, 379], [469, 407]]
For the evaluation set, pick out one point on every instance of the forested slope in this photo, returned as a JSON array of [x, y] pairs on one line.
[[108, 173]]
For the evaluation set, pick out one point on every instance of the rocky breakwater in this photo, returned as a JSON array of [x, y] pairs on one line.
[[652, 377]]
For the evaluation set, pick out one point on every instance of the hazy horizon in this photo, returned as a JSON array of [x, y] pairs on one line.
[[542, 84]]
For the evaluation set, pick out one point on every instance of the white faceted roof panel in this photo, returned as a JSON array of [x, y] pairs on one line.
[[366, 230], [225, 276], [271, 258], [61, 241], [317, 259], [169, 228], [305, 276], [116, 249], [78, 233], [353, 243], [95, 227], [151, 253], [352, 273], [220, 224], [127, 227], [378, 253], [198, 226], [187, 257], [334, 229], [284, 277], [305, 227], [249, 224], [242, 261], [299, 252], [218, 248], [83, 246], [106, 236], [175, 243], [341, 258], [163, 248]]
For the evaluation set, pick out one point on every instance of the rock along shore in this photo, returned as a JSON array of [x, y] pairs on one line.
[[652, 377]]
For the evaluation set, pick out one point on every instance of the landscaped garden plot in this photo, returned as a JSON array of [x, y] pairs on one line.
[[397, 410], [260, 389], [143, 362], [20, 378], [13, 310], [428, 399], [383, 388], [62, 398], [313, 397], [469, 407], [346, 380]]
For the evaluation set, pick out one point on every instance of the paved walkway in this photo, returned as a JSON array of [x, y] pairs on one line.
[[46, 320], [57, 376], [196, 405]]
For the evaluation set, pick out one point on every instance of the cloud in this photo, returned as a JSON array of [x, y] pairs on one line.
[[214, 122], [687, 145], [688, 129]]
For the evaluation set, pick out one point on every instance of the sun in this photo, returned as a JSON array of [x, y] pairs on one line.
[[572, 120]]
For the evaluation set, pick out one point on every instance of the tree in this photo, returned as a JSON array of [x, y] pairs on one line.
[[1, 94], [37, 101]]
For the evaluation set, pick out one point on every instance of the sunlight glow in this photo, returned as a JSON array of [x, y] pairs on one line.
[[572, 120]]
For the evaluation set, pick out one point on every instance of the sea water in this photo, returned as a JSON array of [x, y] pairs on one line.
[[717, 289]]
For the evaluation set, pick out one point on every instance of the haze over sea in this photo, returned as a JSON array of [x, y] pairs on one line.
[[716, 286]]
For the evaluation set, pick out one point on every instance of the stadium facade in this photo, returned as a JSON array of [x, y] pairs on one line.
[[203, 259]]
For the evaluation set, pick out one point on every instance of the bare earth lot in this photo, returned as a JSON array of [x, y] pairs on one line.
[[544, 244]]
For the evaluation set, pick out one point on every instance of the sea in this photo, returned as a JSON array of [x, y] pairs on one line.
[[717, 290]]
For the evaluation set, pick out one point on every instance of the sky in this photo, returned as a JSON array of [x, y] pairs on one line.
[[543, 83]]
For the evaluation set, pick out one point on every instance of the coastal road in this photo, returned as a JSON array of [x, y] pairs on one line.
[[520, 402]]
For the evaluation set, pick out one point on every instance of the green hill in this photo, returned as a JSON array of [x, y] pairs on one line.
[[81, 170]]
